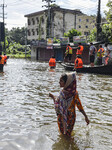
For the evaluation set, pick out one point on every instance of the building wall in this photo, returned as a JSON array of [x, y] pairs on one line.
[[69, 21], [58, 24], [33, 52], [85, 23], [45, 54], [61, 21], [37, 29]]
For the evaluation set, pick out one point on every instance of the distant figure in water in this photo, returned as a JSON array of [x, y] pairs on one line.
[[65, 104], [1, 61], [5, 58], [78, 62], [52, 62]]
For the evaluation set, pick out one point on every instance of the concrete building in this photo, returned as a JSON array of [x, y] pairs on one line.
[[61, 21]]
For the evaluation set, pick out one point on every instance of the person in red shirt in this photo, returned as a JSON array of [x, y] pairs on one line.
[[78, 62], [52, 62]]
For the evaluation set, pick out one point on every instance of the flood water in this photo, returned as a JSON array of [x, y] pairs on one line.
[[27, 115]]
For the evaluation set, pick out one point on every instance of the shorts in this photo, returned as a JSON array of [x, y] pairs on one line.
[[68, 56], [92, 58]]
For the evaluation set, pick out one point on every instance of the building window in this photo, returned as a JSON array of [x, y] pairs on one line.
[[42, 19], [42, 30], [37, 31], [79, 26], [33, 21], [87, 20], [33, 32], [79, 20], [29, 33], [29, 22], [37, 19], [86, 26]]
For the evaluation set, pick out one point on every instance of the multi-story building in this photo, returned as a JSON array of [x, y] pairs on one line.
[[61, 21]]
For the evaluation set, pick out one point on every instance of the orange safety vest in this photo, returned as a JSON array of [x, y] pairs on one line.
[[101, 52], [78, 63], [79, 51], [2, 59], [68, 50], [5, 58], [52, 62]]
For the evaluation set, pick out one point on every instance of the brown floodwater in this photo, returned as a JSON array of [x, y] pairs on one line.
[[27, 115]]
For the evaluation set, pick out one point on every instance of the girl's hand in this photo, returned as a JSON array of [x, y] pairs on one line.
[[51, 95], [87, 120]]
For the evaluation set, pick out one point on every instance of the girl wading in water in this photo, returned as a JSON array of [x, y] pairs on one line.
[[66, 102]]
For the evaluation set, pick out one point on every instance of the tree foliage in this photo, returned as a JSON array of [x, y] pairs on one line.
[[71, 33], [92, 36], [106, 34], [17, 35], [107, 28], [109, 12], [15, 42]]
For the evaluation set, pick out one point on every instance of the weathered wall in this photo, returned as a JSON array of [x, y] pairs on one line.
[[33, 52]]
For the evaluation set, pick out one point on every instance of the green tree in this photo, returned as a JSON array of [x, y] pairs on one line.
[[109, 12], [107, 28], [17, 35], [92, 36], [71, 33]]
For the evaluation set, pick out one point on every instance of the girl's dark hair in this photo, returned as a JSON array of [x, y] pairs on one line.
[[64, 77]]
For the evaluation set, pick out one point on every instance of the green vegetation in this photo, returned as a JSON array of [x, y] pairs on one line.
[[15, 43], [106, 34], [18, 50], [71, 33], [92, 36]]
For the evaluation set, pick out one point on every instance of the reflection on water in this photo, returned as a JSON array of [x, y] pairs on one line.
[[65, 143], [27, 116]]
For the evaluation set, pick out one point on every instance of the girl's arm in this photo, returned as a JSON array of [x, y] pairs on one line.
[[52, 96], [79, 106]]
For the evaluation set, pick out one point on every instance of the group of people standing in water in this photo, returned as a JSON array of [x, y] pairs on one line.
[[101, 56]]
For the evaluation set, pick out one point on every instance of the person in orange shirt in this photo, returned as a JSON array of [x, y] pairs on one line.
[[78, 62], [79, 49], [52, 62], [5, 58], [1, 61]]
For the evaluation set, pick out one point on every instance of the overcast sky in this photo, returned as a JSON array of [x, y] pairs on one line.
[[16, 9]]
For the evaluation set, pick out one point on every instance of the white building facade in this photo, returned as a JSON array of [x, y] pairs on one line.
[[61, 21]]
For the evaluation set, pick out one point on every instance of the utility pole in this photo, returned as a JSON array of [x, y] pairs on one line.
[[3, 16], [98, 21], [25, 40], [49, 15]]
